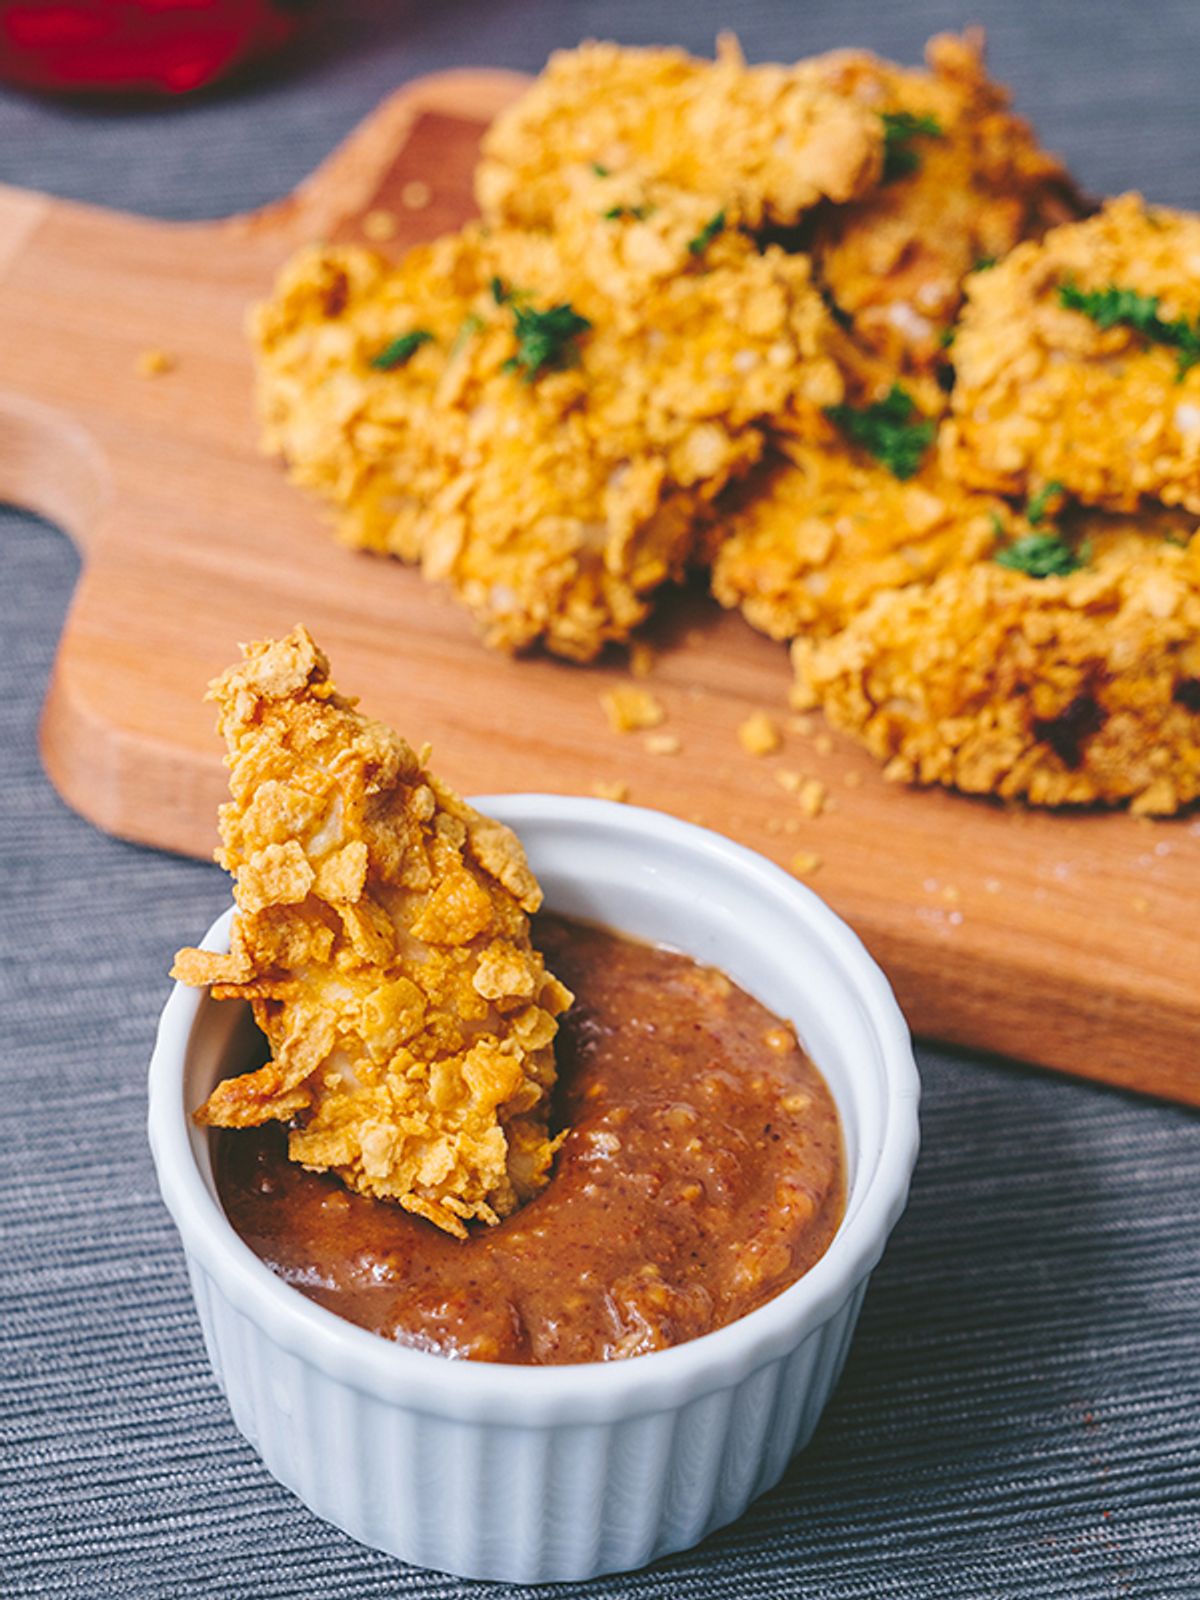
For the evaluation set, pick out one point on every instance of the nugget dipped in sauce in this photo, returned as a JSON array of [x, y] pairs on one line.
[[382, 937]]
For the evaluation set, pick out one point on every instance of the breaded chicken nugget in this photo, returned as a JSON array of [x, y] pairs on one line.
[[567, 411], [1078, 363], [812, 535], [382, 937], [1062, 690], [964, 181], [766, 141]]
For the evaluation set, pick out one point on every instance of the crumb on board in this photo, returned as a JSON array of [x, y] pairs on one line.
[[823, 744], [759, 735], [800, 725], [852, 779], [951, 893], [789, 780], [380, 225], [629, 710], [415, 195], [155, 362], [611, 789], [641, 659], [804, 862], [1140, 903], [813, 797], [662, 744]]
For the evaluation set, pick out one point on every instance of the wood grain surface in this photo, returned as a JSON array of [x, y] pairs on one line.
[[1067, 940]]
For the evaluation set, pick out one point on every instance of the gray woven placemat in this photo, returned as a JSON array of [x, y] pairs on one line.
[[1021, 1413]]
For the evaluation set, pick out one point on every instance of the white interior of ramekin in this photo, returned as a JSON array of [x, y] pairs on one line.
[[655, 878]]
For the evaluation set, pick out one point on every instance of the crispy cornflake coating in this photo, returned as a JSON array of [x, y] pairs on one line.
[[1062, 691], [552, 505], [767, 141], [807, 541], [382, 937], [1043, 394], [895, 261]]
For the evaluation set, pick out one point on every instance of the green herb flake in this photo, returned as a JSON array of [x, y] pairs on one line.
[[900, 128], [637, 213], [401, 351], [887, 431], [1043, 555], [984, 264], [600, 170], [1039, 505], [707, 234], [1114, 307], [501, 294], [946, 338], [545, 339]]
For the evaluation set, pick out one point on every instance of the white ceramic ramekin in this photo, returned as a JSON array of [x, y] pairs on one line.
[[534, 1474]]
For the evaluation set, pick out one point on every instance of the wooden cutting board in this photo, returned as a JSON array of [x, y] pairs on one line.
[[1065, 940]]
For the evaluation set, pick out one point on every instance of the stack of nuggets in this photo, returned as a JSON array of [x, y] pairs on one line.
[[710, 319]]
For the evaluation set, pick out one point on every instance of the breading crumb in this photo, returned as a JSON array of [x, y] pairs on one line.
[[823, 744], [154, 363], [759, 735], [379, 226], [629, 710], [852, 779], [791, 781], [415, 195], [662, 744], [812, 797], [614, 789], [804, 862]]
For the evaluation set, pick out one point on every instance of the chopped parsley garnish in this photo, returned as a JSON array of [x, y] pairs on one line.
[[887, 431], [984, 264], [638, 213], [1115, 307], [899, 129], [401, 351], [707, 234], [1039, 505], [500, 293], [946, 338], [600, 170], [1042, 555], [545, 339]]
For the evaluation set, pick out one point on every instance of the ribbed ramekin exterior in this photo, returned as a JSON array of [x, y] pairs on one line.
[[518, 1504], [540, 1474]]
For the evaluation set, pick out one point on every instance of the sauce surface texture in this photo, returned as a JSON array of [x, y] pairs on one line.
[[701, 1175]]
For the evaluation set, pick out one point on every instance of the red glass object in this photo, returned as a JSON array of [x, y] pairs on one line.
[[157, 47]]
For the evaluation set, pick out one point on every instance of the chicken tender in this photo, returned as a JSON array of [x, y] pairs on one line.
[[1074, 689], [382, 938], [1078, 363], [570, 409], [964, 181], [766, 141], [811, 536]]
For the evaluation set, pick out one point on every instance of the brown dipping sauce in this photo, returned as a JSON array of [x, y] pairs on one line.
[[702, 1174]]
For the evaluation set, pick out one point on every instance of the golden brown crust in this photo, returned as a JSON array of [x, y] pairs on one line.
[[1043, 394], [382, 937], [807, 540], [555, 507], [895, 260], [1061, 691], [766, 141]]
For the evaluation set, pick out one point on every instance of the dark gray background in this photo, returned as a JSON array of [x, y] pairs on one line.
[[1020, 1413]]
